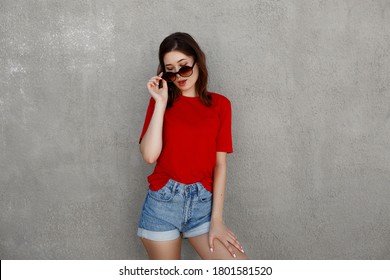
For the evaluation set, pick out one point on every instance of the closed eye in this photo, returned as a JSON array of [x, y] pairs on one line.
[[171, 70]]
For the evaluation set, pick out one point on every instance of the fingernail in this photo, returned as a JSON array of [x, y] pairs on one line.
[[234, 255], [211, 250], [242, 250]]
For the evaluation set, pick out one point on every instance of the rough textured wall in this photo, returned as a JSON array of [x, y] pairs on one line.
[[310, 86]]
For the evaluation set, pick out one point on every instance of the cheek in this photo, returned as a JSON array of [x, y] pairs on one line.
[[195, 75], [194, 79]]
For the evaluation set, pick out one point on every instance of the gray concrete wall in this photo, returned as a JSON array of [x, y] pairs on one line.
[[310, 86]]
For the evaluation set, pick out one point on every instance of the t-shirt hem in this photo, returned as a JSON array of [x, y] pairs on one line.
[[207, 183], [226, 151]]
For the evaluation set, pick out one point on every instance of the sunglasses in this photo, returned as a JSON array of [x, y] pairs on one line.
[[184, 71]]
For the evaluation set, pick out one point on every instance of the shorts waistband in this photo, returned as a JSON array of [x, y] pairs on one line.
[[175, 185]]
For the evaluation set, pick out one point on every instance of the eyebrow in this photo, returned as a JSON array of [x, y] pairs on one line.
[[177, 62]]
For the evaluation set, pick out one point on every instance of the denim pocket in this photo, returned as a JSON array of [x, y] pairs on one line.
[[204, 195], [164, 194]]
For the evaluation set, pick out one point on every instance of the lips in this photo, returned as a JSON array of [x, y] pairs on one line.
[[182, 83]]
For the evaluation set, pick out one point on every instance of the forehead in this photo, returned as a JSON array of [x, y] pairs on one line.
[[174, 57]]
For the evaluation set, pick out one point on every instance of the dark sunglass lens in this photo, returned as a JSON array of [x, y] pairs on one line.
[[185, 71], [169, 76]]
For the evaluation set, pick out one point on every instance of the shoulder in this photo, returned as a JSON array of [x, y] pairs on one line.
[[219, 99]]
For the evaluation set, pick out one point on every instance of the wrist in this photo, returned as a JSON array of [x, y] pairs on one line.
[[216, 219], [161, 103]]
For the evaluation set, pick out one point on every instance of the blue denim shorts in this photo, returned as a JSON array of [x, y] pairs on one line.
[[175, 210]]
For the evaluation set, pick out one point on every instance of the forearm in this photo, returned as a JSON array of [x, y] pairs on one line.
[[218, 192], [151, 144]]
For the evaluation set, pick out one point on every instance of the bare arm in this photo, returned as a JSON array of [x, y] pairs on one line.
[[151, 143], [217, 228], [219, 187]]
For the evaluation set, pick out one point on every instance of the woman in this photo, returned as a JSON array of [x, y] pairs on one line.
[[187, 131]]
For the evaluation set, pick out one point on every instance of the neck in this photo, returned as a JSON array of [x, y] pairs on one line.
[[190, 93]]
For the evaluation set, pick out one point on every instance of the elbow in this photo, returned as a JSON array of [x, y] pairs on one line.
[[150, 160], [149, 156]]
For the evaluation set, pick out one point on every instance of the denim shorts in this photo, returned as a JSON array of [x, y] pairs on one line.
[[175, 210]]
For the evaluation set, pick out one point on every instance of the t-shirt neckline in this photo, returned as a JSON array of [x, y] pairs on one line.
[[189, 98]]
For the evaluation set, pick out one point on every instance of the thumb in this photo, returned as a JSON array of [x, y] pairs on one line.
[[165, 84]]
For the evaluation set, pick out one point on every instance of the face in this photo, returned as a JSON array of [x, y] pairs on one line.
[[173, 61]]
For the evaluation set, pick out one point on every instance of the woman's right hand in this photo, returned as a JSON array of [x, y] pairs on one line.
[[159, 94]]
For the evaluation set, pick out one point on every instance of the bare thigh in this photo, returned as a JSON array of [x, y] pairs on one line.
[[201, 245], [163, 250]]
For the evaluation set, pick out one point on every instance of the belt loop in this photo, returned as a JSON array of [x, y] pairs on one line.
[[174, 186], [199, 187]]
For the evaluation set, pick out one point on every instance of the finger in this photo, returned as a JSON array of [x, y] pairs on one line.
[[232, 233], [165, 84], [151, 86], [211, 243], [236, 244], [152, 81], [156, 80], [230, 249]]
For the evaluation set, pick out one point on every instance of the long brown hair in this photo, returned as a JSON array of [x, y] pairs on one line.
[[184, 43]]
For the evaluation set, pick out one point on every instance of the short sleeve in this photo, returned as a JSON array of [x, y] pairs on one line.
[[148, 117], [224, 137]]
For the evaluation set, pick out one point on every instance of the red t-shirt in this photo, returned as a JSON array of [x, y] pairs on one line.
[[192, 135]]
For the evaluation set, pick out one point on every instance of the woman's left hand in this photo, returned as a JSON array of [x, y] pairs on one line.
[[219, 231]]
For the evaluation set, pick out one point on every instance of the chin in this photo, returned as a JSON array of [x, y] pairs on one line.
[[187, 86]]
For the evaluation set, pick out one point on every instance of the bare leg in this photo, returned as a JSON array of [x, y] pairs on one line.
[[201, 245], [163, 250]]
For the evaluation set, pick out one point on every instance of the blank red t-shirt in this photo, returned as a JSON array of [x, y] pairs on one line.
[[192, 135]]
